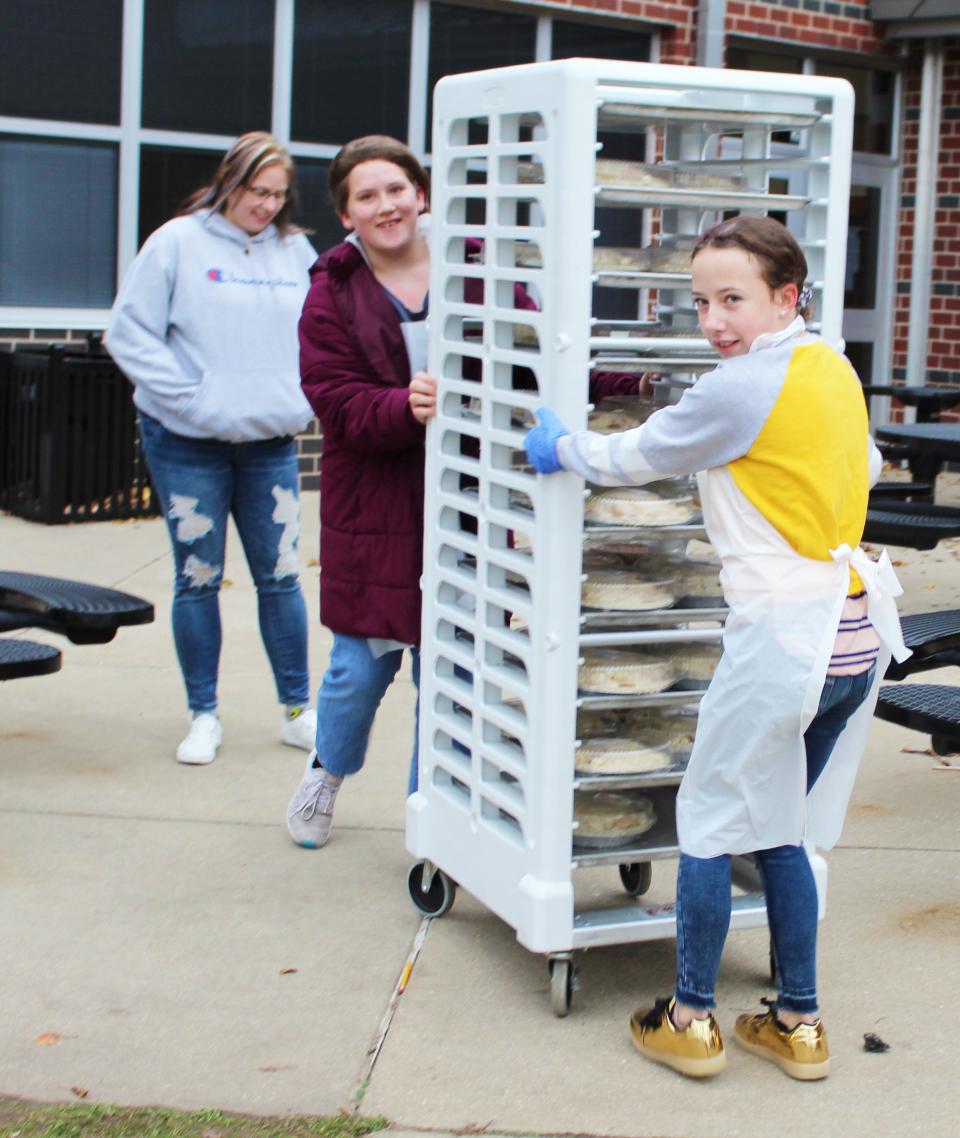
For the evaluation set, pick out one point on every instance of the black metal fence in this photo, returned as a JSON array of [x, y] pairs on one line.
[[69, 445]]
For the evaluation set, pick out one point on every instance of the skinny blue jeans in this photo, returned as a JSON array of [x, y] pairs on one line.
[[353, 685], [704, 884], [201, 483]]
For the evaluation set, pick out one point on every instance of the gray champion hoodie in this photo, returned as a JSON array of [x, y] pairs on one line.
[[205, 328]]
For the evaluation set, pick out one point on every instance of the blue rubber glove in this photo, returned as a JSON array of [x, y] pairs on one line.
[[541, 442]]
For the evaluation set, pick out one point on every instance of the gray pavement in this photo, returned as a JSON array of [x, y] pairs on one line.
[[156, 919]]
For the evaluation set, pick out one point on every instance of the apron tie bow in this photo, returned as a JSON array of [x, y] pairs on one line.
[[882, 586]]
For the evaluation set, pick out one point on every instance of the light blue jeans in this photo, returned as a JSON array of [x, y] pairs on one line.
[[200, 483], [703, 884], [353, 686]]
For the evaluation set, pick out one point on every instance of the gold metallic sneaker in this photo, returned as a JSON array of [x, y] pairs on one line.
[[801, 1052], [697, 1050]]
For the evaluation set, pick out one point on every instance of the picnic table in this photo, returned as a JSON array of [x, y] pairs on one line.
[[934, 445], [929, 401]]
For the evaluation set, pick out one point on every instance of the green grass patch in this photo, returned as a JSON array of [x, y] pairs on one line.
[[74, 1120]]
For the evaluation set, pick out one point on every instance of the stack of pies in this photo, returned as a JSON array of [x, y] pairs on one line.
[[623, 756], [611, 671], [670, 728], [607, 819], [617, 171], [617, 590], [698, 581], [608, 421], [630, 506], [693, 664]]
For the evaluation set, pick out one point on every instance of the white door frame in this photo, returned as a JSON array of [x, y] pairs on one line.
[[875, 325]]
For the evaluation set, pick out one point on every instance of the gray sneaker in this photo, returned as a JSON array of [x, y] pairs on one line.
[[310, 813]]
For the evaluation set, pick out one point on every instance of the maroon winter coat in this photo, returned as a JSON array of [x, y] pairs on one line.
[[355, 372]]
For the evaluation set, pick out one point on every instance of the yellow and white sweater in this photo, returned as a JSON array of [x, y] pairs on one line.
[[788, 420]]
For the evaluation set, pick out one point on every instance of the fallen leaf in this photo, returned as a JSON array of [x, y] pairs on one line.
[[48, 1038], [80, 1092], [873, 1042], [287, 971]]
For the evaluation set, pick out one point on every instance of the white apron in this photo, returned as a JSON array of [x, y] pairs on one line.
[[745, 785]]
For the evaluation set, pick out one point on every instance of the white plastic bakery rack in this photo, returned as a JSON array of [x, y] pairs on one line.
[[548, 165]]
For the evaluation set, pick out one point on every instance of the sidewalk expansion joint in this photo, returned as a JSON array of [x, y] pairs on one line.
[[380, 1035]]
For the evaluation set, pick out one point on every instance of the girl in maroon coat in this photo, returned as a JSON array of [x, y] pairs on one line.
[[362, 351], [362, 360]]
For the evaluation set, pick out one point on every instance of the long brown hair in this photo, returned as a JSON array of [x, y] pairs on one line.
[[771, 244], [366, 149], [251, 153]]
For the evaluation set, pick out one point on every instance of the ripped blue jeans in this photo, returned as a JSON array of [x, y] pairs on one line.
[[201, 483]]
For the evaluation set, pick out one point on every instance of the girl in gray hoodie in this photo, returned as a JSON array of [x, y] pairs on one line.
[[205, 328]]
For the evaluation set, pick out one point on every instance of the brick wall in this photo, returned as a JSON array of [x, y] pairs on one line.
[[812, 23]]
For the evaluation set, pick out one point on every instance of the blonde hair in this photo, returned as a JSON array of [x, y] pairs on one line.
[[251, 153]]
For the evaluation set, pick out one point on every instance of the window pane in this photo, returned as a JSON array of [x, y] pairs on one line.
[[316, 209], [591, 41], [58, 223], [167, 178], [61, 60], [471, 39], [207, 66], [873, 109], [861, 356], [351, 67], [572, 40], [863, 235], [753, 59]]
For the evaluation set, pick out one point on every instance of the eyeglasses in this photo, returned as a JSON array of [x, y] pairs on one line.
[[262, 193]]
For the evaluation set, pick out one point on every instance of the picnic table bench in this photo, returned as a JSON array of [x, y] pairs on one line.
[[83, 613], [19, 658], [914, 525], [934, 709], [933, 637], [931, 708]]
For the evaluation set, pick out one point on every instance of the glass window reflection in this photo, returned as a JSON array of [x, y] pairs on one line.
[[208, 66], [58, 222], [351, 65], [61, 60], [472, 39]]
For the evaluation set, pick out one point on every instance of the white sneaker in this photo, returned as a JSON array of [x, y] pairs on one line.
[[301, 731], [203, 739], [310, 813]]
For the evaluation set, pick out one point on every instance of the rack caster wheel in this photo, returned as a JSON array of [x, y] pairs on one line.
[[636, 877], [430, 889], [562, 984]]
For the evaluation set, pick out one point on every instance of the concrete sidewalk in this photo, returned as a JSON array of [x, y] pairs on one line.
[[158, 920]]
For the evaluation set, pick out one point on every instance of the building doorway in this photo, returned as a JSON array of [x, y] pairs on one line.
[[869, 285]]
